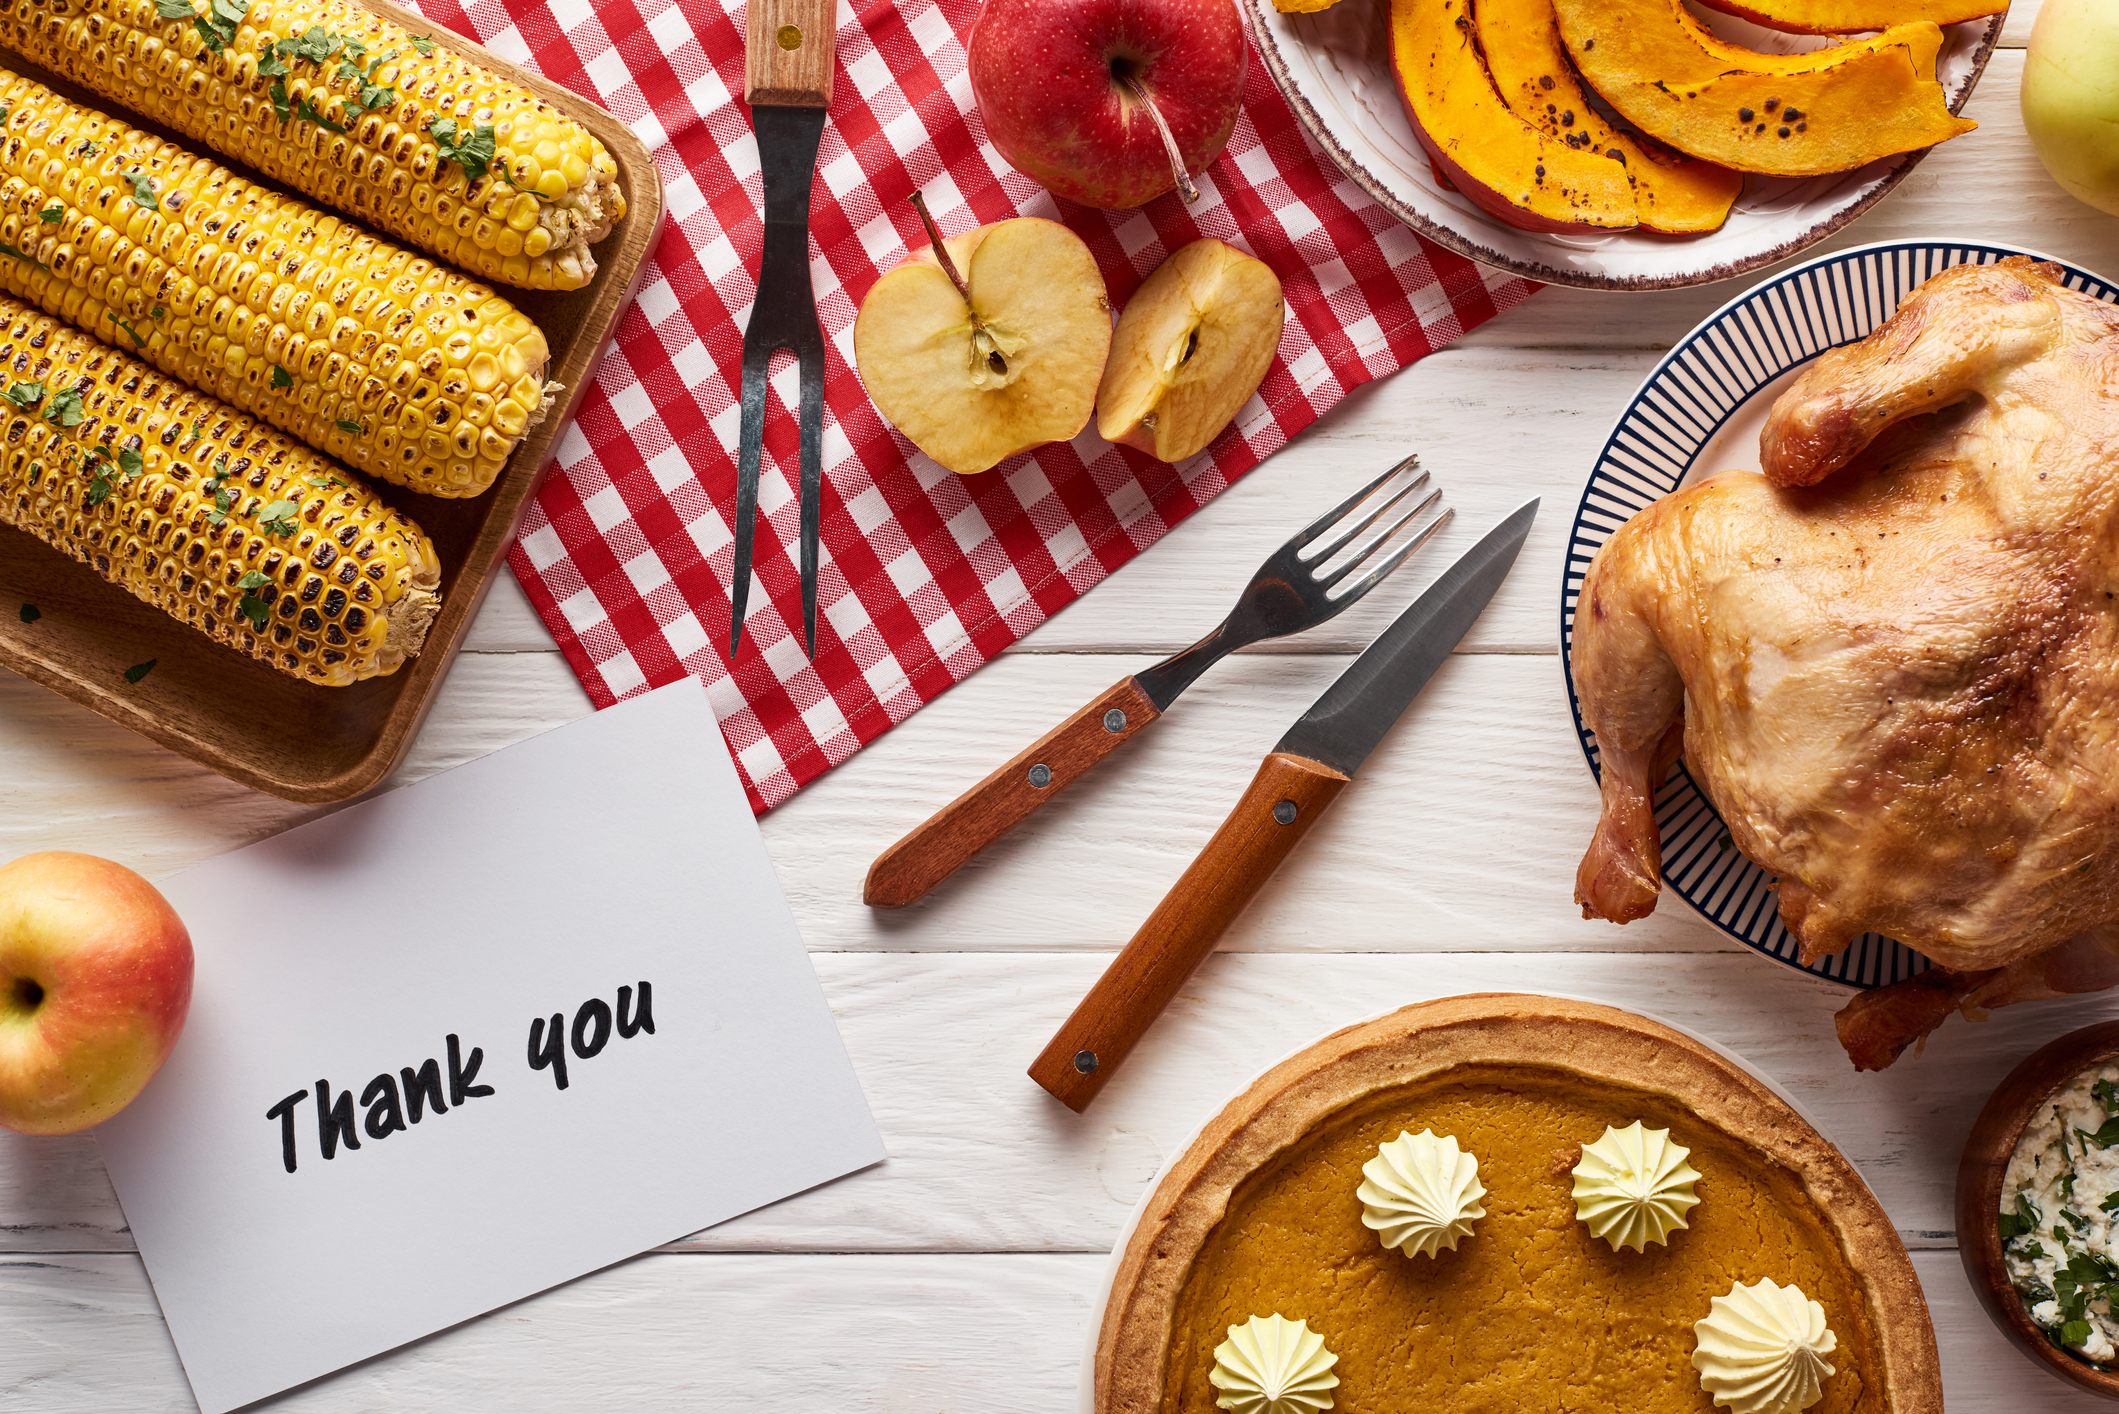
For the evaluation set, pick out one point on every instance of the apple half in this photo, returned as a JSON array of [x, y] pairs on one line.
[[1192, 345], [1006, 360]]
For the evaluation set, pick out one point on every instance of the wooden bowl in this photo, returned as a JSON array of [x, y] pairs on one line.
[[1979, 1174]]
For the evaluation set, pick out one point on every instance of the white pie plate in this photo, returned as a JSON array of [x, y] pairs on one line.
[[1085, 1401], [1334, 67], [1699, 413]]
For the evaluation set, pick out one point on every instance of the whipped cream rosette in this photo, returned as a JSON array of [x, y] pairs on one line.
[[1272, 1365], [1762, 1349], [1421, 1193], [1633, 1186]]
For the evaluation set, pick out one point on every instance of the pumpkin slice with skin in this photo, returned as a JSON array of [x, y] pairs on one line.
[[1784, 115], [1853, 16], [1672, 192], [1508, 168]]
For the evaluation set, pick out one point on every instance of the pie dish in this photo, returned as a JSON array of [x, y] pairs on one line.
[[1260, 1212]]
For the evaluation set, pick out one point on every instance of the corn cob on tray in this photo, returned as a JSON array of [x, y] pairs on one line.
[[367, 116], [255, 541], [122, 656], [398, 367]]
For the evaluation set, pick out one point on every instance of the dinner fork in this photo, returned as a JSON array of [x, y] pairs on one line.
[[1303, 583]]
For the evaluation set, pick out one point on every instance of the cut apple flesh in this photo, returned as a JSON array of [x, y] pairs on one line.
[[1191, 347], [1509, 168], [1853, 104], [1853, 16], [1016, 368], [1672, 193]]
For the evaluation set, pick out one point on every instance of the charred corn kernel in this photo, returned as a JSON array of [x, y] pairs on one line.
[[522, 216], [361, 74], [178, 499], [253, 289]]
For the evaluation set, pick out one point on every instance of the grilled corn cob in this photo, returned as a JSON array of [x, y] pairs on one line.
[[397, 367], [354, 111], [252, 539]]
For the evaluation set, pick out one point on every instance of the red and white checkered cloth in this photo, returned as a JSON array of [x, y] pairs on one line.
[[628, 551]]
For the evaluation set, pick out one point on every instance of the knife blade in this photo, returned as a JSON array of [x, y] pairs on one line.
[[787, 73], [1305, 772]]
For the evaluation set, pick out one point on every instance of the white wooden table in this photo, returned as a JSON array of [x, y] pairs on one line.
[[959, 1275]]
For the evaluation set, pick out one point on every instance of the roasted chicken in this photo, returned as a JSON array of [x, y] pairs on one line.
[[1891, 659]]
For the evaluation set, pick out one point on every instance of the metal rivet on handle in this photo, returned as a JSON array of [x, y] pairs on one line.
[[1085, 1062], [1114, 720], [1040, 776], [1285, 812], [790, 37]]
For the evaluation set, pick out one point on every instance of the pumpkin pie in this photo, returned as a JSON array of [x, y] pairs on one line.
[[1531, 1311]]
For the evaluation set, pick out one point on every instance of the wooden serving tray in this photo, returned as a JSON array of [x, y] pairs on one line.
[[252, 724]]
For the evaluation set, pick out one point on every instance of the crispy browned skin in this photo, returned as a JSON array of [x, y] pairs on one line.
[[1895, 654]]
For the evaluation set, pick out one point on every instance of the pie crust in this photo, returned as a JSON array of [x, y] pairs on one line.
[[1419, 1043]]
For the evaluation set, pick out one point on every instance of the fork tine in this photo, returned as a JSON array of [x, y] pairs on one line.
[[1370, 580], [1369, 551], [749, 445], [1331, 517], [1342, 541]]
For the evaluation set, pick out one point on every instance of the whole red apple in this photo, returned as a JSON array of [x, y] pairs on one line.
[[95, 982], [1066, 88]]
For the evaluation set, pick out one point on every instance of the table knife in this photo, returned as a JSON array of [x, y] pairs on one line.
[[1305, 773], [787, 72]]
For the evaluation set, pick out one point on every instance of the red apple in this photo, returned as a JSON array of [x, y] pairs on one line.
[[95, 981], [1070, 91]]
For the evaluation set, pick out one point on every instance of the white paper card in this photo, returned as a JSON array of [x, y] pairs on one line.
[[616, 852]]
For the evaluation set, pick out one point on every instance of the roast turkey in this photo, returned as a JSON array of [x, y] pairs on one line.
[[1891, 658]]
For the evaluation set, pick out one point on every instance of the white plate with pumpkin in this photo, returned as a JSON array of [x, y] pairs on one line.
[[1514, 92]]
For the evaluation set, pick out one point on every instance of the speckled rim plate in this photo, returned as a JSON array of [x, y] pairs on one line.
[[1700, 410], [1085, 1397], [1334, 68]]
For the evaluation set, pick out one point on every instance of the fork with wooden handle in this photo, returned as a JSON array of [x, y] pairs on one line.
[[1292, 591]]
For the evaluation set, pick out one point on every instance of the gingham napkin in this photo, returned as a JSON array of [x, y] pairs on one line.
[[925, 575]]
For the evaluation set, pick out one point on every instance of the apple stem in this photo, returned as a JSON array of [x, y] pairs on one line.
[[941, 252], [1185, 187]]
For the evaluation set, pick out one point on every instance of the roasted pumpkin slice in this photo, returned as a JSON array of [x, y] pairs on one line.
[[1672, 192], [1853, 16], [1510, 169], [1785, 115]]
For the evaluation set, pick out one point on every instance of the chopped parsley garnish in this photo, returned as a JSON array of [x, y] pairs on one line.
[[18, 255], [308, 112], [2025, 1219], [65, 408], [175, 9], [224, 499], [217, 29], [26, 395], [2076, 1332], [354, 427], [424, 43], [278, 518], [2103, 1137], [473, 151], [157, 312], [143, 188], [252, 606], [126, 325], [31, 613], [140, 670], [375, 95], [131, 463], [278, 94], [326, 483], [281, 378], [52, 213]]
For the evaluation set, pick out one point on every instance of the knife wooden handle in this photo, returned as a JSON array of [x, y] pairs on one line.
[[996, 805], [787, 53], [1283, 801]]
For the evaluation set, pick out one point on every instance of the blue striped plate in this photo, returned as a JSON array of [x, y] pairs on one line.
[[1701, 409]]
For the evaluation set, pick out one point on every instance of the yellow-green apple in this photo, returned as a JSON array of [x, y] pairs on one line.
[[2071, 97], [96, 968], [1192, 346], [986, 344], [1109, 103]]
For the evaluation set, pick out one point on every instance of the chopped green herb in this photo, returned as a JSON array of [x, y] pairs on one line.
[[2104, 1137], [126, 325], [2025, 1219], [131, 463], [271, 65], [31, 613], [424, 43], [157, 312], [2076, 1332], [253, 580], [143, 188], [65, 409], [281, 378], [54, 212], [278, 518], [278, 94], [2091, 1269], [2028, 1247], [316, 44], [1723, 843], [26, 395], [251, 607], [217, 29], [211, 36], [11, 251], [308, 112], [354, 427], [473, 151], [174, 9], [375, 95], [326, 483], [140, 670]]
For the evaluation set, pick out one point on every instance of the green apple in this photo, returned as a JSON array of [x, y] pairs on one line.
[[95, 983], [2071, 97]]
